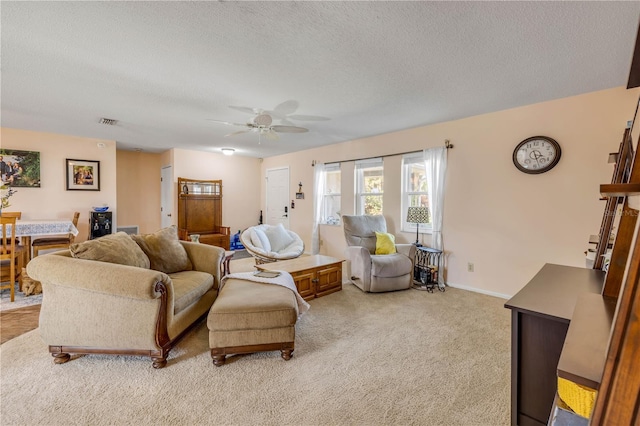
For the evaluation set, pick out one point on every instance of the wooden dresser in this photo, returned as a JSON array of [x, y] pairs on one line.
[[540, 316]]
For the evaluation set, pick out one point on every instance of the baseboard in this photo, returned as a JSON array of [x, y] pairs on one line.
[[480, 290]]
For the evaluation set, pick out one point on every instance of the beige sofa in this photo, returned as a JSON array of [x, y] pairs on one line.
[[95, 306]]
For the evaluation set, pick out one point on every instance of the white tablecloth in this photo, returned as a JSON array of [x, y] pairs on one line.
[[43, 227]]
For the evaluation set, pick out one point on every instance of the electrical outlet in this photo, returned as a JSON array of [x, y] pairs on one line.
[[470, 267]]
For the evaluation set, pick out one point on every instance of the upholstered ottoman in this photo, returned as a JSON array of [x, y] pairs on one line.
[[252, 317]]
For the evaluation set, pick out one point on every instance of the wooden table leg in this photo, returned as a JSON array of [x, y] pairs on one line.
[[225, 262], [26, 242]]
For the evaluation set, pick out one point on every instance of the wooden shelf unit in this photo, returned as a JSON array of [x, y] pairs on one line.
[[585, 347], [540, 317], [200, 212]]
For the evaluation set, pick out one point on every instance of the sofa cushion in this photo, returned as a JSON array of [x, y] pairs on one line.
[[164, 250], [189, 287], [114, 248], [279, 238], [390, 265], [385, 243]]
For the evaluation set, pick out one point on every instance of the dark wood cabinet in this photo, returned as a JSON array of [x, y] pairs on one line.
[[200, 211], [540, 317]]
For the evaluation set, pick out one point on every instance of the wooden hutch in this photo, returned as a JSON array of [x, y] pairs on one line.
[[200, 211]]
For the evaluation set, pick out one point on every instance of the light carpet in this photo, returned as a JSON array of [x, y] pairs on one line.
[[408, 357]]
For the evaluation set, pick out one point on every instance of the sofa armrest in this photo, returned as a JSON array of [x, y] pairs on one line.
[[101, 277], [205, 258]]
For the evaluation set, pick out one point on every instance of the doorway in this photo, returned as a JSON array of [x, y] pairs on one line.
[[277, 197], [166, 196]]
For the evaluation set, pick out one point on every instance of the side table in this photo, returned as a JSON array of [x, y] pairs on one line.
[[427, 269], [224, 265]]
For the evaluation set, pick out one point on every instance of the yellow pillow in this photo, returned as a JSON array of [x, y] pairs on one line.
[[385, 243]]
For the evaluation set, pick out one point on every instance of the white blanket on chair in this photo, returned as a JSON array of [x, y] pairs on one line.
[[284, 279]]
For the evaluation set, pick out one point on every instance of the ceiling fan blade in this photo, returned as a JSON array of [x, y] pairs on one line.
[[285, 108], [271, 135], [238, 132], [246, 109], [227, 122], [289, 129], [286, 122], [308, 117]]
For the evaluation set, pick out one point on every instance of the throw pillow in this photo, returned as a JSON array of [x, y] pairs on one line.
[[165, 251], [385, 243], [278, 237], [115, 248], [260, 240]]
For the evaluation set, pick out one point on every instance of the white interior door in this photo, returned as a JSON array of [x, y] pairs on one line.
[[277, 198], [166, 196]]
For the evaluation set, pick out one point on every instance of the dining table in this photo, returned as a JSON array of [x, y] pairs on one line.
[[26, 229]]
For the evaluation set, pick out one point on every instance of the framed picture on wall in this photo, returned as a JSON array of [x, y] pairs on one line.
[[83, 175], [20, 168]]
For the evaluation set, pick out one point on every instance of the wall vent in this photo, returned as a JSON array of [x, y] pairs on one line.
[[108, 121], [131, 230]]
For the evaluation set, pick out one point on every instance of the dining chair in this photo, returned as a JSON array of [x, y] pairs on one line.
[[60, 242], [11, 254], [4, 272]]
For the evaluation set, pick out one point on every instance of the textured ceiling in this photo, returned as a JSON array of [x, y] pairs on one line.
[[163, 68]]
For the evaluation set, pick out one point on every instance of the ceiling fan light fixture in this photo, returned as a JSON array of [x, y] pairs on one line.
[[228, 151]]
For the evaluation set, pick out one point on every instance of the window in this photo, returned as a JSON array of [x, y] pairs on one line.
[[414, 189], [369, 184], [331, 199]]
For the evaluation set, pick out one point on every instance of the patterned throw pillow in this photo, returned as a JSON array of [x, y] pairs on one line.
[[165, 251], [385, 243], [115, 248]]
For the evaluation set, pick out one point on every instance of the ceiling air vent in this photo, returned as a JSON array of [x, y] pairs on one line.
[[108, 121]]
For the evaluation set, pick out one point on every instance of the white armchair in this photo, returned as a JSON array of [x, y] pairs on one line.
[[271, 243]]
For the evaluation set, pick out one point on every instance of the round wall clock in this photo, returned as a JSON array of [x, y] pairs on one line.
[[537, 154]]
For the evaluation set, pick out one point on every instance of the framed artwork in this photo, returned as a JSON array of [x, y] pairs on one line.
[[20, 168], [83, 175], [299, 195]]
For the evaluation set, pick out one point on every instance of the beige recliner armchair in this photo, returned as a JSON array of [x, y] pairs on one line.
[[369, 271]]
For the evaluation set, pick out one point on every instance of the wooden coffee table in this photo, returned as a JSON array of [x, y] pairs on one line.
[[315, 275]]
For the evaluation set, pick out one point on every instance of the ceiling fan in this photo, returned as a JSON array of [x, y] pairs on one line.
[[262, 124]]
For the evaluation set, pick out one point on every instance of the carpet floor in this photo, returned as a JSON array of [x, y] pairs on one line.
[[408, 357]]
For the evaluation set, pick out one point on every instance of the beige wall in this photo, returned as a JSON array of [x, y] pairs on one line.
[[240, 182], [507, 223], [138, 188], [52, 200]]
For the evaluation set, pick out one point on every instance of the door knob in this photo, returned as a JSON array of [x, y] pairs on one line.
[[169, 214]]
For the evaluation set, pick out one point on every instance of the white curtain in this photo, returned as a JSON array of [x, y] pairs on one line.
[[435, 160], [318, 198]]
